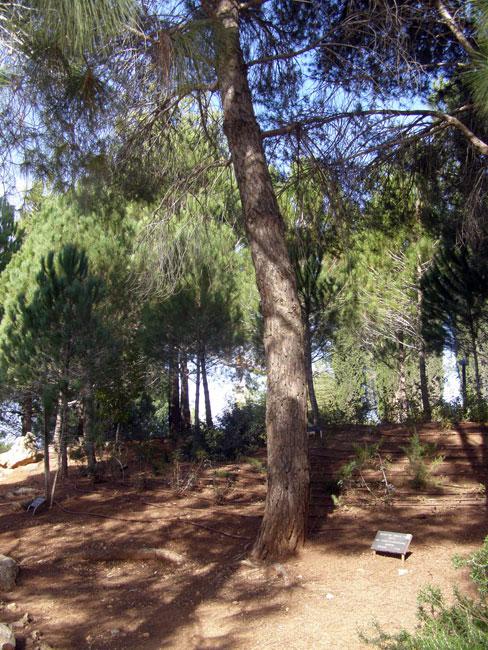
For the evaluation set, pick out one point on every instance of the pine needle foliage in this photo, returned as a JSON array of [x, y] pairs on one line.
[[73, 26]]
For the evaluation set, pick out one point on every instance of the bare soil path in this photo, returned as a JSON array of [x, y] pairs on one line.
[[77, 598]]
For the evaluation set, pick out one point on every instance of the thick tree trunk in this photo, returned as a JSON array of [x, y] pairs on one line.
[[174, 396], [314, 407], [185, 397], [206, 392], [197, 397], [283, 527], [26, 414]]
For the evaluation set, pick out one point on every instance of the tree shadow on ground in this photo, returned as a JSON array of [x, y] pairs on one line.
[[112, 604]]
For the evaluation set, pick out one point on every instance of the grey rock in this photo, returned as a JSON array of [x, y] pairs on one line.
[[7, 636], [9, 570]]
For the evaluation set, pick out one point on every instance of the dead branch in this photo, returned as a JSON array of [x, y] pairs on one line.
[[212, 530], [121, 554]]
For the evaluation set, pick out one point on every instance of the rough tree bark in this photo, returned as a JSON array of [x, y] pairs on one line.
[[283, 527], [206, 392]]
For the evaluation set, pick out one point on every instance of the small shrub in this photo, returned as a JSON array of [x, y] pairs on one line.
[[367, 457], [478, 565], [422, 462], [448, 414], [223, 473], [256, 464], [77, 452], [4, 446], [477, 411], [222, 490]]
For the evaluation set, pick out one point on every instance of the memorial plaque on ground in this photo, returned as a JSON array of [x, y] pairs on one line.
[[387, 542]]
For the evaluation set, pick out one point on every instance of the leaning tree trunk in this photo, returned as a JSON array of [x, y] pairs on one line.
[[283, 527], [206, 391]]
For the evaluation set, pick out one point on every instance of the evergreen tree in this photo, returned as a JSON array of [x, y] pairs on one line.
[[455, 303], [53, 337]]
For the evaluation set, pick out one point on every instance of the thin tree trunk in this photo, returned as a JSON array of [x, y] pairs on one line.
[[283, 527], [45, 441], [174, 396], [185, 398], [477, 376], [60, 436], [88, 433], [424, 384], [314, 407], [63, 438], [402, 399], [26, 414], [197, 397], [206, 392], [58, 430], [464, 387]]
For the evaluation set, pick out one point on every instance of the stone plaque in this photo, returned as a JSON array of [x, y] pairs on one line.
[[387, 542]]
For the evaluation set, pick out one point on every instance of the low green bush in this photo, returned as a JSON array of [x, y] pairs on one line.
[[422, 462]]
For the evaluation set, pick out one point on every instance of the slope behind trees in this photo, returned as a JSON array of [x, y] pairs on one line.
[[249, 53]]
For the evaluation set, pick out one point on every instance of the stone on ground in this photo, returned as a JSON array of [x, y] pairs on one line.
[[22, 452], [7, 637], [8, 573]]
